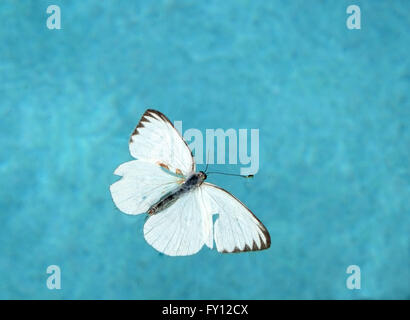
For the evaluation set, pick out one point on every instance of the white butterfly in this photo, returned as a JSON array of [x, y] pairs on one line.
[[163, 183]]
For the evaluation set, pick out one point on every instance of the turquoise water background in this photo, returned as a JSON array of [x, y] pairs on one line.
[[332, 106]]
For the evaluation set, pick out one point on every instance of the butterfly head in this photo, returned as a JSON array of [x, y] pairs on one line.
[[202, 175]]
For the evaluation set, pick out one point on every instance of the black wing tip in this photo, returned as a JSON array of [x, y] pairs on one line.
[[264, 245], [149, 112], [267, 237], [152, 111], [145, 118]]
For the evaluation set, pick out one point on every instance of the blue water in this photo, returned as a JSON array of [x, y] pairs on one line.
[[332, 106]]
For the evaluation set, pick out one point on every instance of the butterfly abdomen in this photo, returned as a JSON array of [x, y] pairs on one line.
[[194, 181], [164, 203]]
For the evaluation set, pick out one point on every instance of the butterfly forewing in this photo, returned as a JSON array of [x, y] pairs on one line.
[[156, 140], [236, 229]]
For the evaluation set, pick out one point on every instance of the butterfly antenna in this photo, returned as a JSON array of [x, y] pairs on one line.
[[226, 174], [232, 174]]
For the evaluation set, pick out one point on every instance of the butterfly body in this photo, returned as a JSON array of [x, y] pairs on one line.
[[162, 181], [194, 181]]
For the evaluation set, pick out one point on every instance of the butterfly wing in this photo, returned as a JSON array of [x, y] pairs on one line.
[[185, 226], [236, 229], [142, 184], [164, 160], [156, 140], [178, 230]]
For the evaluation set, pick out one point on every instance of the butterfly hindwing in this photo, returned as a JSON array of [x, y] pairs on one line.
[[177, 230], [141, 185]]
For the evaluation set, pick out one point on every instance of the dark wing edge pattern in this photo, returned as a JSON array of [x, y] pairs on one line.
[[145, 118], [260, 226]]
